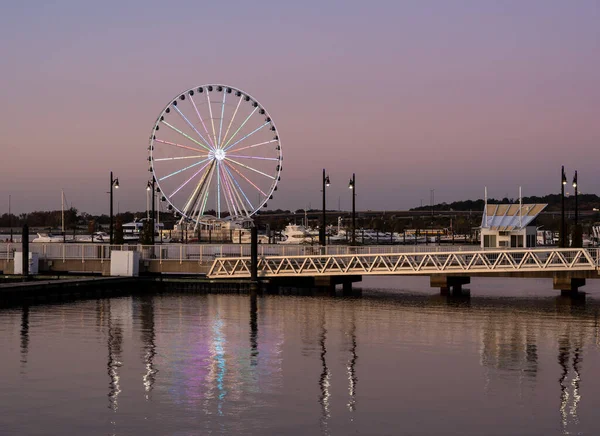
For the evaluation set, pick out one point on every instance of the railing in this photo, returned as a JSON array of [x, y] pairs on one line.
[[205, 252], [480, 261], [209, 252]]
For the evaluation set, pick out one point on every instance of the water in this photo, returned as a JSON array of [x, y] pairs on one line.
[[392, 362]]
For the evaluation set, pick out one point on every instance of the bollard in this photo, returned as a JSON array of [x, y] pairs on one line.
[[25, 249]]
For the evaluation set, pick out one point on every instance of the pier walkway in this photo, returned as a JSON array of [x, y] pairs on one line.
[[539, 262]]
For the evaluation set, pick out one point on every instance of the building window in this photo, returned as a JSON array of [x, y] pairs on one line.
[[489, 241]]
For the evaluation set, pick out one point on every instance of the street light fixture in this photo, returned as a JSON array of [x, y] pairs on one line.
[[352, 186], [113, 183], [322, 230]]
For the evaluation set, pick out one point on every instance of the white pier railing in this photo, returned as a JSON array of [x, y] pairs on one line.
[[415, 263], [207, 252]]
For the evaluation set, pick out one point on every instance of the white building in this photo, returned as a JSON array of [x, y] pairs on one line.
[[510, 225]]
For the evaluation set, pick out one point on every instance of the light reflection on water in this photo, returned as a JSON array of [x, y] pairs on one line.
[[386, 363]]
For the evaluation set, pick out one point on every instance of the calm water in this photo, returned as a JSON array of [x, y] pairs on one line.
[[398, 361]]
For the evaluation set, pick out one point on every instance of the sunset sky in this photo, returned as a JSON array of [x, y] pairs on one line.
[[409, 95]]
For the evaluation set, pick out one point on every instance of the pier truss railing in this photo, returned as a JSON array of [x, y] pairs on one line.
[[415, 263], [206, 252]]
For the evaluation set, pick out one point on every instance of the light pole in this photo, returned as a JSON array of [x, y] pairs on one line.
[[352, 186], [562, 208], [576, 189], [151, 186], [322, 230], [115, 183], [10, 220]]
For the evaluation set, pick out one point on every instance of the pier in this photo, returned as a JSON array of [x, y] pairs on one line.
[[449, 267]]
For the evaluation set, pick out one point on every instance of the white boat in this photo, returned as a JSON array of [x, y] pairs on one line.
[[296, 234], [97, 237], [47, 238], [133, 230]]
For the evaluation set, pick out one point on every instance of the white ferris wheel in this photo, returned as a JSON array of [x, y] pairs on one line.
[[215, 151]]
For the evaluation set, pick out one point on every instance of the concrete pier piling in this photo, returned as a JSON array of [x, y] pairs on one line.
[[449, 284]]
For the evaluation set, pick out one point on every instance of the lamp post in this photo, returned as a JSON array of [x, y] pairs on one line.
[[562, 208], [115, 183], [576, 189], [10, 220], [322, 230], [352, 186], [151, 186]]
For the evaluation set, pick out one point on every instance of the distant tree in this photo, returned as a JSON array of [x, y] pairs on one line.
[[146, 234], [118, 235]]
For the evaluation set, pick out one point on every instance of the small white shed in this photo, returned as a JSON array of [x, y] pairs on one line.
[[510, 225]]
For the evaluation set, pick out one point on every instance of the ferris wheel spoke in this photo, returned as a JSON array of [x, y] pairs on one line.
[[253, 157], [201, 120], [252, 146], [189, 180], [246, 178], [183, 169], [218, 190], [249, 134], [212, 120], [192, 126], [222, 114], [239, 128], [231, 206], [181, 157], [232, 118], [203, 196], [250, 168], [193, 198], [238, 200], [240, 189], [178, 145], [185, 135], [241, 204]]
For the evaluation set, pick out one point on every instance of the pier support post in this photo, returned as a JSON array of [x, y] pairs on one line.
[[254, 259], [25, 250], [347, 289], [449, 284], [567, 285]]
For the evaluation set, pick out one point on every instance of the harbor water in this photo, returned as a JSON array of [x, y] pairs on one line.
[[513, 358]]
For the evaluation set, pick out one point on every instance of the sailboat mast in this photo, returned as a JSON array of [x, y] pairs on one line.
[[62, 200]]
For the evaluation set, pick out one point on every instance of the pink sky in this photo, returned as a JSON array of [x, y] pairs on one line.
[[411, 96]]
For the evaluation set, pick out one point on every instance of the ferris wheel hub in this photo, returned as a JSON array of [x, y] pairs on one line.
[[219, 154]]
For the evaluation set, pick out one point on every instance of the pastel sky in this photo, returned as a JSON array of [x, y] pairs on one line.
[[410, 95]]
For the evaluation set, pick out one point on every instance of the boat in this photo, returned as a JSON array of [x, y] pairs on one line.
[[97, 237], [298, 234], [47, 238]]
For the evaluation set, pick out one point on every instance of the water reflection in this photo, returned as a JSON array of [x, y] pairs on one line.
[[148, 337], [324, 379], [569, 383], [351, 367], [24, 336], [115, 350], [253, 330], [219, 374]]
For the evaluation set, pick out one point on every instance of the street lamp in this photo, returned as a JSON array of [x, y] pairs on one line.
[[576, 189], [322, 230], [10, 220], [562, 208], [352, 186], [151, 186], [115, 183]]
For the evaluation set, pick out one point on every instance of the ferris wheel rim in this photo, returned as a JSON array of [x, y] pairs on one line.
[[216, 153]]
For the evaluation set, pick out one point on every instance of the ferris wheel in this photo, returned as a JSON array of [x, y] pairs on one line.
[[214, 150]]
